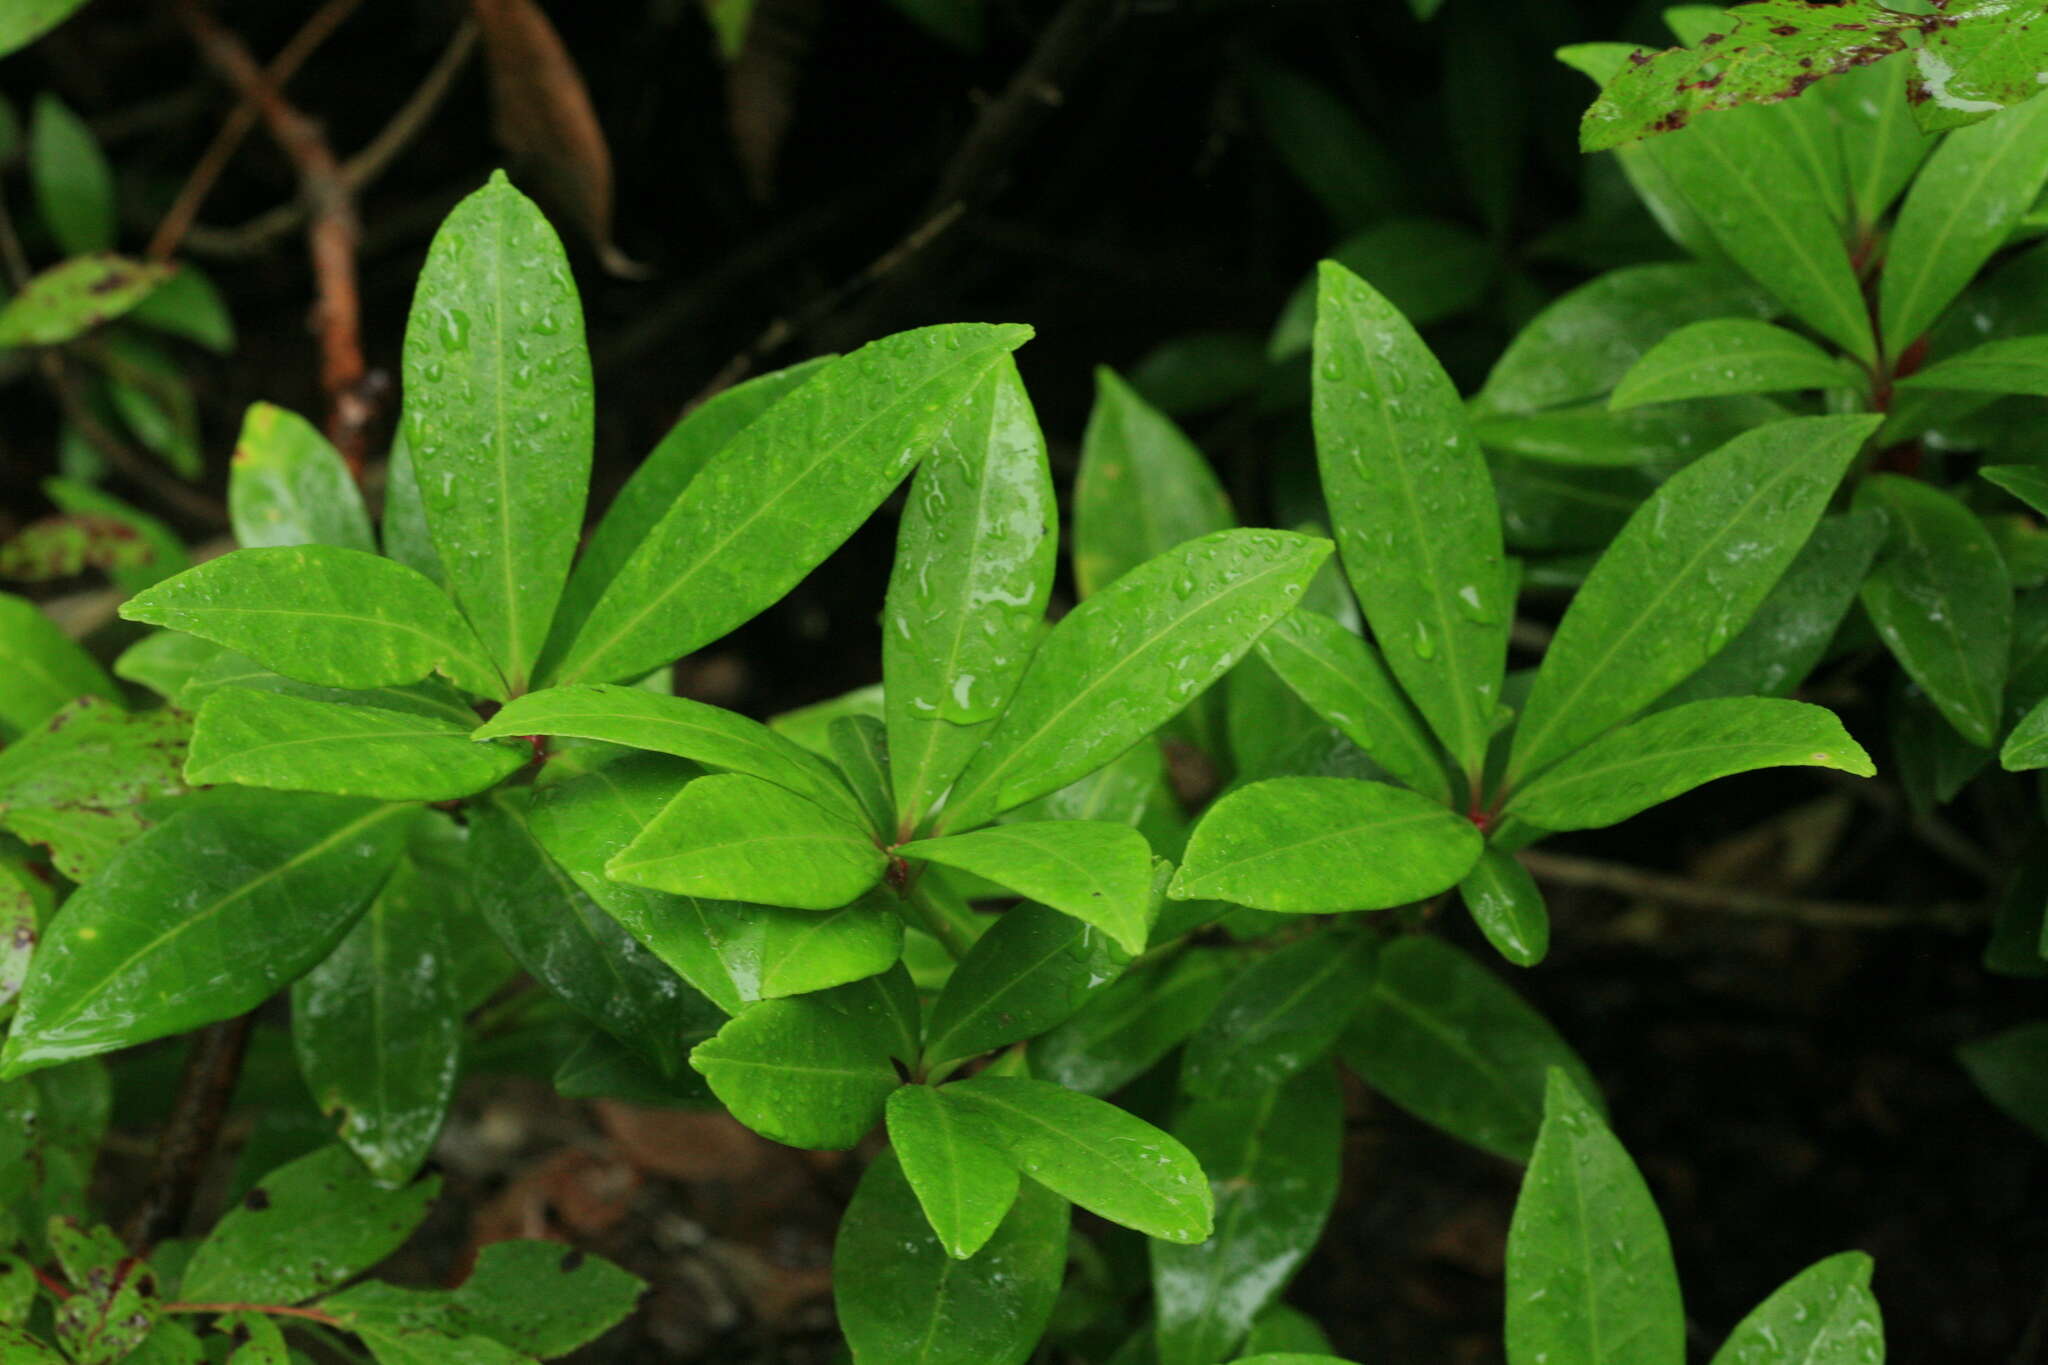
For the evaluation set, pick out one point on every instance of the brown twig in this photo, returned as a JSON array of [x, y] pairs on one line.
[[331, 230], [79, 412], [178, 218], [211, 1070], [1566, 870], [275, 1310]]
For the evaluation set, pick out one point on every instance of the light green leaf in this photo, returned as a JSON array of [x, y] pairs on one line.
[[199, 919], [1442, 1037], [1107, 1161], [75, 296], [322, 615], [801, 1072], [860, 750], [1941, 598], [27, 20], [1683, 576], [80, 784], [1660, 756], [43, 669], [1280, 1017], [1506, 904], [1032, 970], [1142, 489], [1315, 845], [1590, 1278], [902, 1300], [779, 497], [709, 735], [1725, 356], [288, 486], [965, 1187], [1969, 195], [734, 837], [1128, 659], [1824, 1315], [2014, 365], [1414, 511], [1098, 872], [73, 184], [272, 739], [974, 566], [498, 417]]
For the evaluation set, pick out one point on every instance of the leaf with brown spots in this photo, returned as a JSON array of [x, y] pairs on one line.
[[75, 296], [81, 783]]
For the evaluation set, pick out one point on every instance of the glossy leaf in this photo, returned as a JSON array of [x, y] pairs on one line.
[[974, 566], [710, 735], [1142, 489], [800, 1072], [1414, 511], [1729, 355], [80, 785], [2025, 482], [1312, 845], [2027, 746], [75, 296], [1683, 576], [734, 837], [860, 750], [73, 184], [1824, 1315], [1659, 438], [1941, 598], [1662, 755], [780, 496], [1098, 872], [378, 1029], [1344, 680], [965, 1187], [1089, 1151], [405, 534], [271, 739], [2015, 365], [1444, 1039], [322, 615], [201, 918], [306, 1228], [1279, 1017], [498, 417], [555, 931], [1273, 1156], [1032, 970], [1507, 905], [1589, 1274], [1128, 659], [288, 486], [902, 1300], [1965, 200]]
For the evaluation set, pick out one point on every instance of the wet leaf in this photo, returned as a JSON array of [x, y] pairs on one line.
[[1032, 970], [288, 486], [860, 749], [2014, 365], [801, 1072], [965, 1187], [1725, 356], [1824, 1315], [541, 1299], [271, 739], [75, 296], [1133, 458], [1098, 872], [1984, 58], [1882, 146], [79, 784], [1507, 905], [1279, 1017], [73, 184], [734, 837], [113, 1306], [44, 669]]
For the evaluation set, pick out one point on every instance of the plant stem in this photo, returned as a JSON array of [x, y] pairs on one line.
[[211, 1070], [947, 923]]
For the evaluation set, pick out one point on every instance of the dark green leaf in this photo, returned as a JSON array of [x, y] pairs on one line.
[[965, 1187], [2011, 1068], [1280, 1017], [288, 486], [2027, 746], [2025, 482], [73, 184], [1033, 969], [734, 837], [801, 1072], [1322, 141], [1824, 1315], [1127, 1028], [272, 739], [860, 748], [1344, 680], [1098, 872], [1506, 904], [1658, 439], [1729, 355], [2014, 365], [537, 1298], [1427, 268], [406, 538]]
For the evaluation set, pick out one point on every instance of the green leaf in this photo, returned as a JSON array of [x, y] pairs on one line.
[[1199, 372], [1032, 970], [1280, 1017], [1881, 145], [1791, 630], [734, 837], [2011, 1068], [2025, 482], [571, 946], [44, 669], [1981, 59], [199, 919], [263, 1341], [498, 417], [1098, 872], [1579, 347], [54, 1123], [112, 1307], [779, 497], [1314, 845], [1142, 488], [305, 1229], [1658, 439], [903, 1301], [974, 566], [406, 538], [1660, 756], [1590, 1278], [1414, 511], [1128, 659], [539, 1299], [288, 486], [1963, 203], [1729, 355], [1506, 904], [2013, 365], [163, 553], [1824, 1315], [1941, 598], [1127, 1028], [73, 184], [28, 20], [860, 749], [709, 735], [75, 296], [19, 1345], [271, 739], [801, 1072], [965, 1187], [1107, 1161], [1441, 1037], [660, 480], [2027, 746], [378, 1029], [322, 615], [80, 784], [188, 305], [1429, 269], [1322, 141], [1683, 576], [1273, 1157]]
